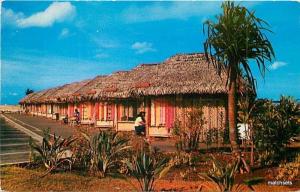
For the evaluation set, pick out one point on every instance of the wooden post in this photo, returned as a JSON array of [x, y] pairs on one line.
[[46, 110], [252, 145], [116, 116], [147, 105]]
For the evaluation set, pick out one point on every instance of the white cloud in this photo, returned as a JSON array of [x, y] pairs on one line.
[[101, 55], [250, 4], [277, 64], [104, 42], [12, 93], [64, 33], [9, 17], [142, 47], [56, 12], [175, 10]]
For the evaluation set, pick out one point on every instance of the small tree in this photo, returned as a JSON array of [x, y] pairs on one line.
[[190, 132], [274, 125], [28, 91], [236, 38], [246, 105], [289, 113]]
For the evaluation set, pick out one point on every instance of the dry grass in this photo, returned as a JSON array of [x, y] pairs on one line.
[[21, 179]]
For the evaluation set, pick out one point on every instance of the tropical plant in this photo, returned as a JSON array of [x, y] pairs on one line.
[[145, 168], [289, 113], [184, 159], [266, 132], [273, 126], [54, 151], [289, 171], [222, 177], [80, 150], [189, 133], [212, 135], [103, 151], [236, 38], [246, 104], [221, 174]]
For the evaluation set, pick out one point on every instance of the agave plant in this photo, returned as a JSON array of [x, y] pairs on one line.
[[145, 168], [104, 149], [54, 151], [222, 177]]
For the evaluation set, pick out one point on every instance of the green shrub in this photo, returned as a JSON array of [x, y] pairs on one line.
[[81, 153], [54, 151], [145, 168], [289, 171], [273, 126], [222, 176], [188, 134], [104, 149], [184, 159]]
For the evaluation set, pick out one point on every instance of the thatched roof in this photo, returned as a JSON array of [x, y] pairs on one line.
[[53, 95], [27, 97], [180, 74], [66, 92]]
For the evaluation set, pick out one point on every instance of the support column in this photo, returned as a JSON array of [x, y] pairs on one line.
[[147, 104], [116, 116]]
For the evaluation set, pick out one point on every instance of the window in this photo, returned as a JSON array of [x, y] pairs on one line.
[[158, 112], [127, 111], [101, 112], [109, 112], [85, 112], [106, 112]]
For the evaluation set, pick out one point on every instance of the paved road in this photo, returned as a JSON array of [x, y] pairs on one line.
[[38, 124], [14, 145]]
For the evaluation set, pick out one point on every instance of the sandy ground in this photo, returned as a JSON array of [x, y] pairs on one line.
[[20, 179], [10, 108]]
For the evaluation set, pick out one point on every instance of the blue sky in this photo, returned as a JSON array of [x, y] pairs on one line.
[[45, 44]]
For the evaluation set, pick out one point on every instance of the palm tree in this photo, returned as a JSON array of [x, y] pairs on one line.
[[232, 42]]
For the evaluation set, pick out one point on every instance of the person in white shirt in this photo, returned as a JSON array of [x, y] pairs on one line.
[[140, 123]]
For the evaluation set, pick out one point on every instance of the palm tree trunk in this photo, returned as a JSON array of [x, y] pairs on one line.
[[232, 112], [252, 146]]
